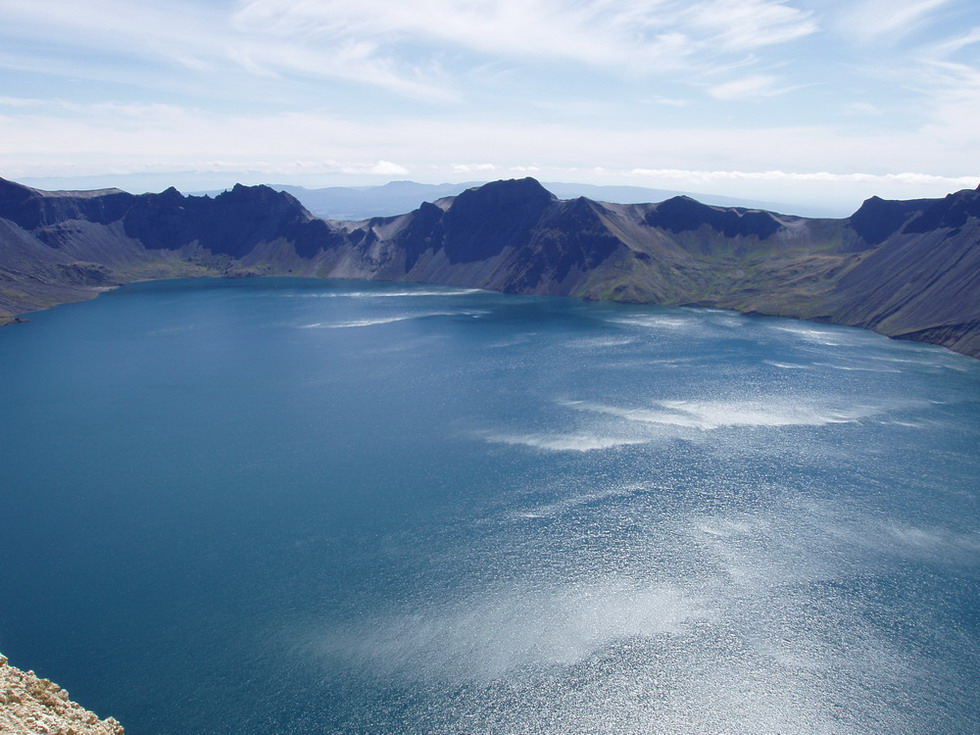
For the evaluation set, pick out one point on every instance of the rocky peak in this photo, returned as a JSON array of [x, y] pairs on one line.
[[877, 219], [260, 195], [30, 208], [11, 189], [684, 214], [481, 222], [18, 204], [231, 223], [527, 193], [952, 211]]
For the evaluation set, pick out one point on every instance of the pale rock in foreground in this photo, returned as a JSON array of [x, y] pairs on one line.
[[29, 705]]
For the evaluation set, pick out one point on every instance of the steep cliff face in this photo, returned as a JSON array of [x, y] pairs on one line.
[[233, 223], [508, 236], [923, 281], [32, 706], [906, 269], [683, 214], [33, 208]]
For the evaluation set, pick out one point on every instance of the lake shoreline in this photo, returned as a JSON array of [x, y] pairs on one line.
[[96, 291]]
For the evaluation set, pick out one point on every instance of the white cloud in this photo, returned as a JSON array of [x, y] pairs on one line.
[[593, 31], [749, 24], [196, 38], [366, 40], [862, 108], [888, 19], [403, 41], [465, 168], [104, 137], [758, 85], [948, 81], [387, 168], [21, 102], [817, 176], [950, 46], [954, 111], [428, 49], [592, 90], [670, 101]]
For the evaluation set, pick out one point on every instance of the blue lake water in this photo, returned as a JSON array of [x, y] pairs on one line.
[[291, 506]]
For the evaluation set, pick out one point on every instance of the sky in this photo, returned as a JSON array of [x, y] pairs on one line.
[[820, 101]]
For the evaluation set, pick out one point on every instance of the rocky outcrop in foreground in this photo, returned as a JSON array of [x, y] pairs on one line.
[[906, 269], [33, 706]]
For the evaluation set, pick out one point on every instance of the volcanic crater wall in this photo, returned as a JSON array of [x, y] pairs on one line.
[[908, 269]]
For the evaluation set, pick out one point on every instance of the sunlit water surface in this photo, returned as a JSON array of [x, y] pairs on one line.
[[285, 506]]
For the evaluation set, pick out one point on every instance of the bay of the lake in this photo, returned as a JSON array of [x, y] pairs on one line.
[[313, 507]]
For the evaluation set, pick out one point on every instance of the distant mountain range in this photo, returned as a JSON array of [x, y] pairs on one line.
[[396, 197], [907, 269]]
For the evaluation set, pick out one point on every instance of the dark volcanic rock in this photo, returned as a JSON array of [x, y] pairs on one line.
[[878, 219], [482, 222], [952, 211], [682, 214], [569, 236], [424, 232], [906, 269], [232, 223], [31, 208]]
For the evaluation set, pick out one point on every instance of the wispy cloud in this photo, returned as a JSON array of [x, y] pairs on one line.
[[758, 85], [950, 46], [466, 168], [918, 65], [185, 138], [817, 176], [862, 108], [650, 34], [742, 25], [379, 168], [407, 48], [888, 19], [195, 37], [603, 91], [670, 101], [946, 75], [22, 102]]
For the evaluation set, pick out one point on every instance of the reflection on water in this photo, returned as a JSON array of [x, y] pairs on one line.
[[486, 514]]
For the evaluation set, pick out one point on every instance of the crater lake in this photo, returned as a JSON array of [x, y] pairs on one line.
[[308, 507]]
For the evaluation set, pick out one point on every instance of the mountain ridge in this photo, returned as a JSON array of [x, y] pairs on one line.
[[908, 269], [398, 197]]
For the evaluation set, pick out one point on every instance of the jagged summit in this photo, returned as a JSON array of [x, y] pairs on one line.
[[6, 184], [526, 192], [31, 208], [909, 269], [482, 221], [953, 210], [877, 218], [683, 214]]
